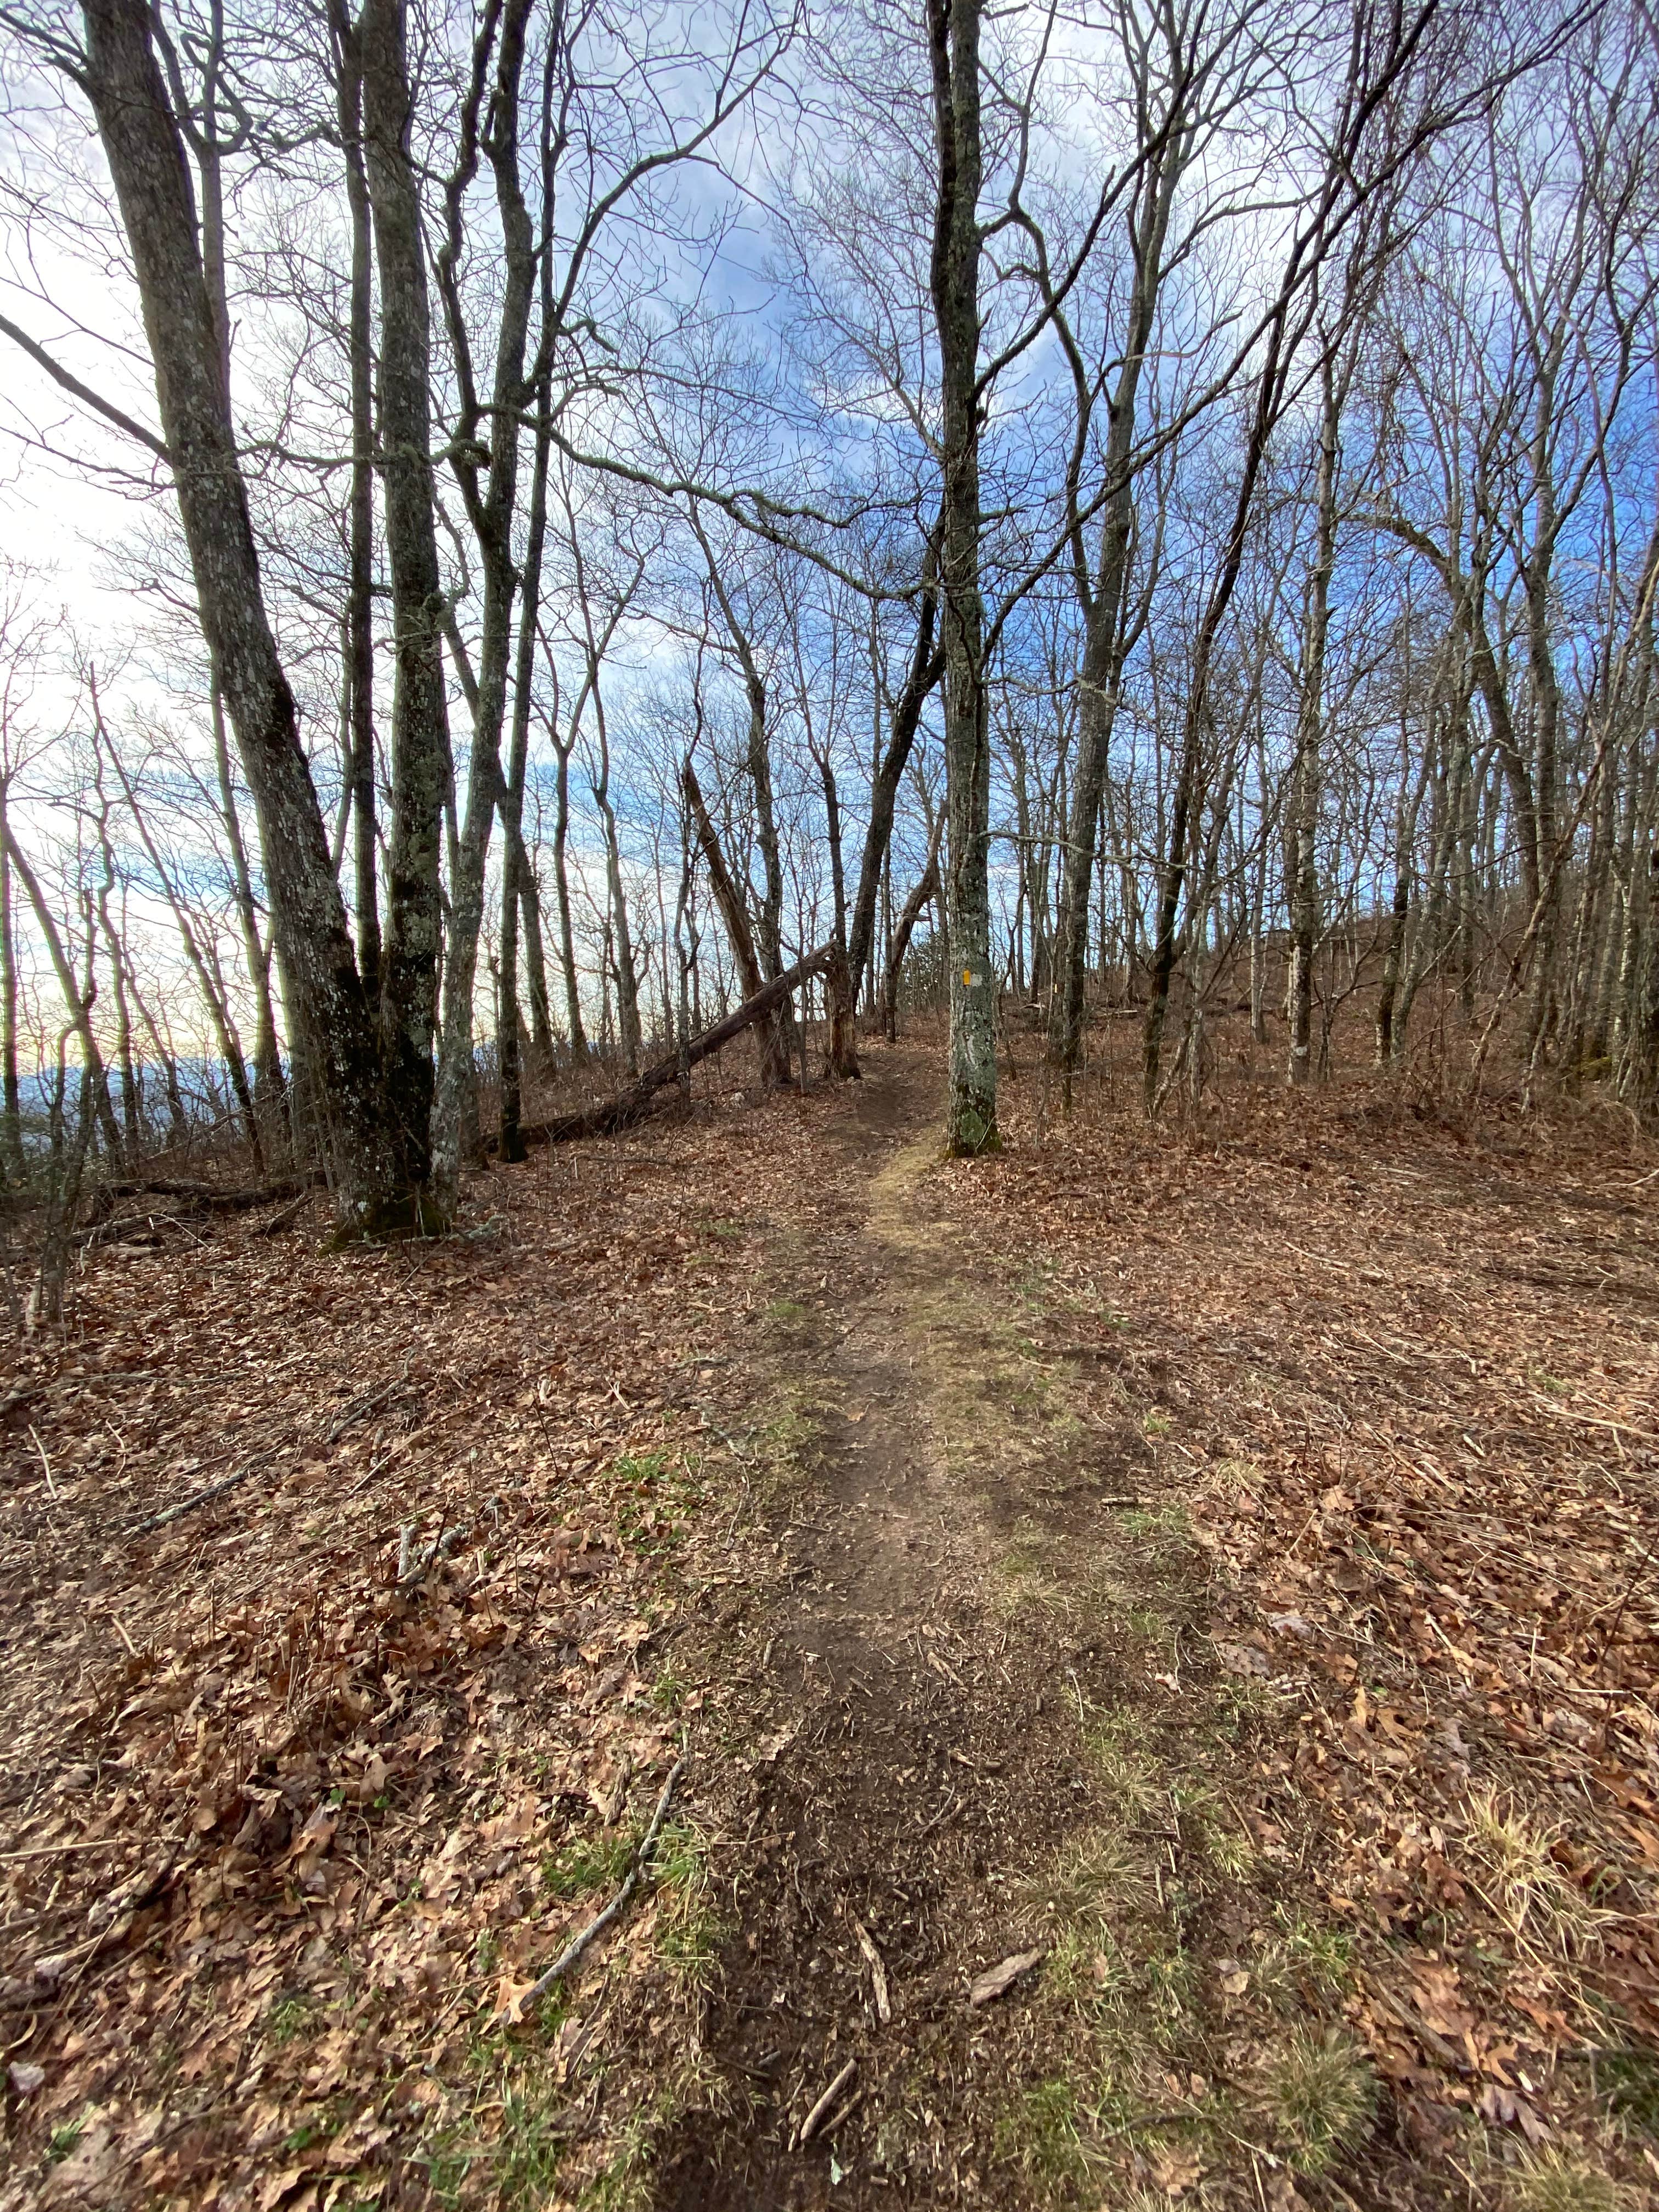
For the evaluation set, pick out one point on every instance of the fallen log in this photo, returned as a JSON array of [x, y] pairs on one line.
[[627, 1107], [229, 1198]]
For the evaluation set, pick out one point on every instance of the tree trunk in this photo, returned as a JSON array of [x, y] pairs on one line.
[[953, 28], [359, 610], [734, 915], [455, 1133], [165, 1060], [147, 165], [768, 920], [1105, 644], [841, 1051], [11, 1098], [77, 998], [628, 981], [1306, 780], [927, 889], [875, 872], [573, 1003], [1390, 1023], [779, 1040], [256, 951], [517, 892], [420, 720]]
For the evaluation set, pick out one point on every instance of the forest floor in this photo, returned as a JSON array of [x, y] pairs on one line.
[[1152, 1637]]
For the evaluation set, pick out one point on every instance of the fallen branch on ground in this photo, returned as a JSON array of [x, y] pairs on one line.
[[285, 1219], [574, 1950], [809, 2126], [189, 1504], [877, 1970], [172, 1513], [414, 1564], [230, 1198]]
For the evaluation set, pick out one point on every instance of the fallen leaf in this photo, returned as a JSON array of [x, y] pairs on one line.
[[1176, 2170], [1501, 2107], [996, 1980], [510, 1995], [88, 2173], [281, 2185]]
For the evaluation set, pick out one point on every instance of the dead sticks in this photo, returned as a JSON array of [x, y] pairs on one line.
[[596, 1927]]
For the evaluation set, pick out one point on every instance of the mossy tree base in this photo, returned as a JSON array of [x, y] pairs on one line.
[[386, 1220], [972, 1130]]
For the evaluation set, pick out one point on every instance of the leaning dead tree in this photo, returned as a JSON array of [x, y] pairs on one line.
[[630, 1105]]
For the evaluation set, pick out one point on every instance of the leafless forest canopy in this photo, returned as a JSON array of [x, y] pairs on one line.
[[596, 507]]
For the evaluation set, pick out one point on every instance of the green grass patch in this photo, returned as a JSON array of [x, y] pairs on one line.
[[1627, 2081], [288, 2018], [1306, 1960], [1562, 2179], [716, 1229], [531, 2146], [690, 1927], [1318, 2098], [63, 2140], [1042, 2132], [587, 1863]]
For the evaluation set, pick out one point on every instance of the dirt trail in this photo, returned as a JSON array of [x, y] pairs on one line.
[[917, 1730]]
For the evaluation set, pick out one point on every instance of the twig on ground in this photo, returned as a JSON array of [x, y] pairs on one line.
[[939, 1818], [877, 1970], [376, 1468], [189, 1504], [839, 2118], [1447, 2053], [1619, 1616], [52, 1850], [809, 2125], [414, 1564], [34, 1437], [359, 1409], [574, 1950], [745, 1459]]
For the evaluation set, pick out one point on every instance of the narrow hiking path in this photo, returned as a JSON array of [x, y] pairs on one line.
[[948, 1623]]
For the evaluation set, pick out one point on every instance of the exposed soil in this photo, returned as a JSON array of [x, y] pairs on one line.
[[920, 1752]]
